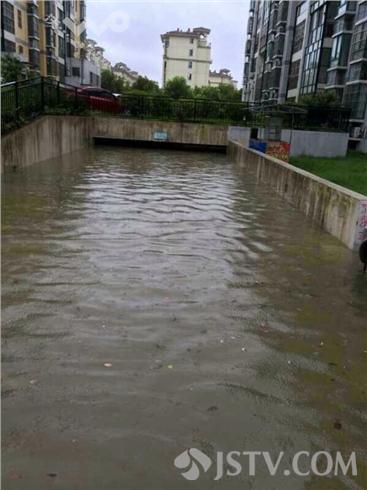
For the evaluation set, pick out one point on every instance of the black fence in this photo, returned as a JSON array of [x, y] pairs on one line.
[[185, 110], [25, 100], [22, 101], [300, 116]]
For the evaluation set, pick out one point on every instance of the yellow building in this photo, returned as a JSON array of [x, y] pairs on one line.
[[187, 54], [48, 37], [221, 77]]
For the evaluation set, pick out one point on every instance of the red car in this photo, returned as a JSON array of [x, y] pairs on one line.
[[100, 99]]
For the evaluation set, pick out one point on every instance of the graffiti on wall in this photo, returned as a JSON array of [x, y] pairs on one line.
[[362, 222], [278, 149]]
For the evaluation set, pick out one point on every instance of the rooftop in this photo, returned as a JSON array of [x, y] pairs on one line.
[[223, 72], [196, 32]]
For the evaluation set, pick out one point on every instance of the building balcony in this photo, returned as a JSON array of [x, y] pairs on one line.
[[248, 48], [335, 77], [347, 8], [344, 24], [202, 43]]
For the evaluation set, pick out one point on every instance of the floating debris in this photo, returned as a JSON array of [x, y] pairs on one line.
[[107, 364], [170, 366], [15, 476], [337, 425]]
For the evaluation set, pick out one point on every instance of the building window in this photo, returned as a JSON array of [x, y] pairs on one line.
[[52, 67], [340, 50], [61, 68], [75, 71], [50, 7], [298, 36], [293, 75], [32, 26], [61, 47], [9, 46], [357, 71], [301, 9], [316, 59], [19, 14], [359, 42], [362, 11], [191, 52], [20, 49], [190, 76], [190, 64], [50, 37], [8, 17], [34, 58], [356, 98]]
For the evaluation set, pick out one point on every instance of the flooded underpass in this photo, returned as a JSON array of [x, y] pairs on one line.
[[156, 301]]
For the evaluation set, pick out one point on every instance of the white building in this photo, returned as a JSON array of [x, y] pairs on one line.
[[221, 77], [187, 54], [121, 70], [95, 54]]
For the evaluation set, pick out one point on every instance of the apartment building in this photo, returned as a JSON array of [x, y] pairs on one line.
[[95, 54], [221, 77], [122, 71], [187, 54], [48, 37], [294, 48]]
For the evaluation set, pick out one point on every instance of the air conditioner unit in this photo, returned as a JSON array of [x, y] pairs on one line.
[[356, 132]]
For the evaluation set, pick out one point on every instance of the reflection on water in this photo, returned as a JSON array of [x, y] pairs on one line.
[[230, 322]]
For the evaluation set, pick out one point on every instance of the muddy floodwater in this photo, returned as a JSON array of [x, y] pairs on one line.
[[156, 301]]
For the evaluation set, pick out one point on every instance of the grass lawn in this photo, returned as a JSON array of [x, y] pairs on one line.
[[350, 171]]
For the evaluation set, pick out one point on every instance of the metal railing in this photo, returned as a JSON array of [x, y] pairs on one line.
[[25, 100], [22, 101], [184, 110]]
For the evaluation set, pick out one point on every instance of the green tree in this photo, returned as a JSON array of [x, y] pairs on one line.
[[119, 85], [177, 88], [208, 92], [324, 98], [229, 93], [12, 69], [145, 85], [108, 80], [226, 93]]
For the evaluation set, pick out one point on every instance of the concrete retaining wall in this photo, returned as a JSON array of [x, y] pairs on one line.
[[315, 143], [53, 136], [47, 137], [139, 130], [341, 212], [239, 133]]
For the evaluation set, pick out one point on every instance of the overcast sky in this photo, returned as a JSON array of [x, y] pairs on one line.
[[130, 30]]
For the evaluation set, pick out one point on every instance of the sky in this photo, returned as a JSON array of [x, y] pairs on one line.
[[130, 30]]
